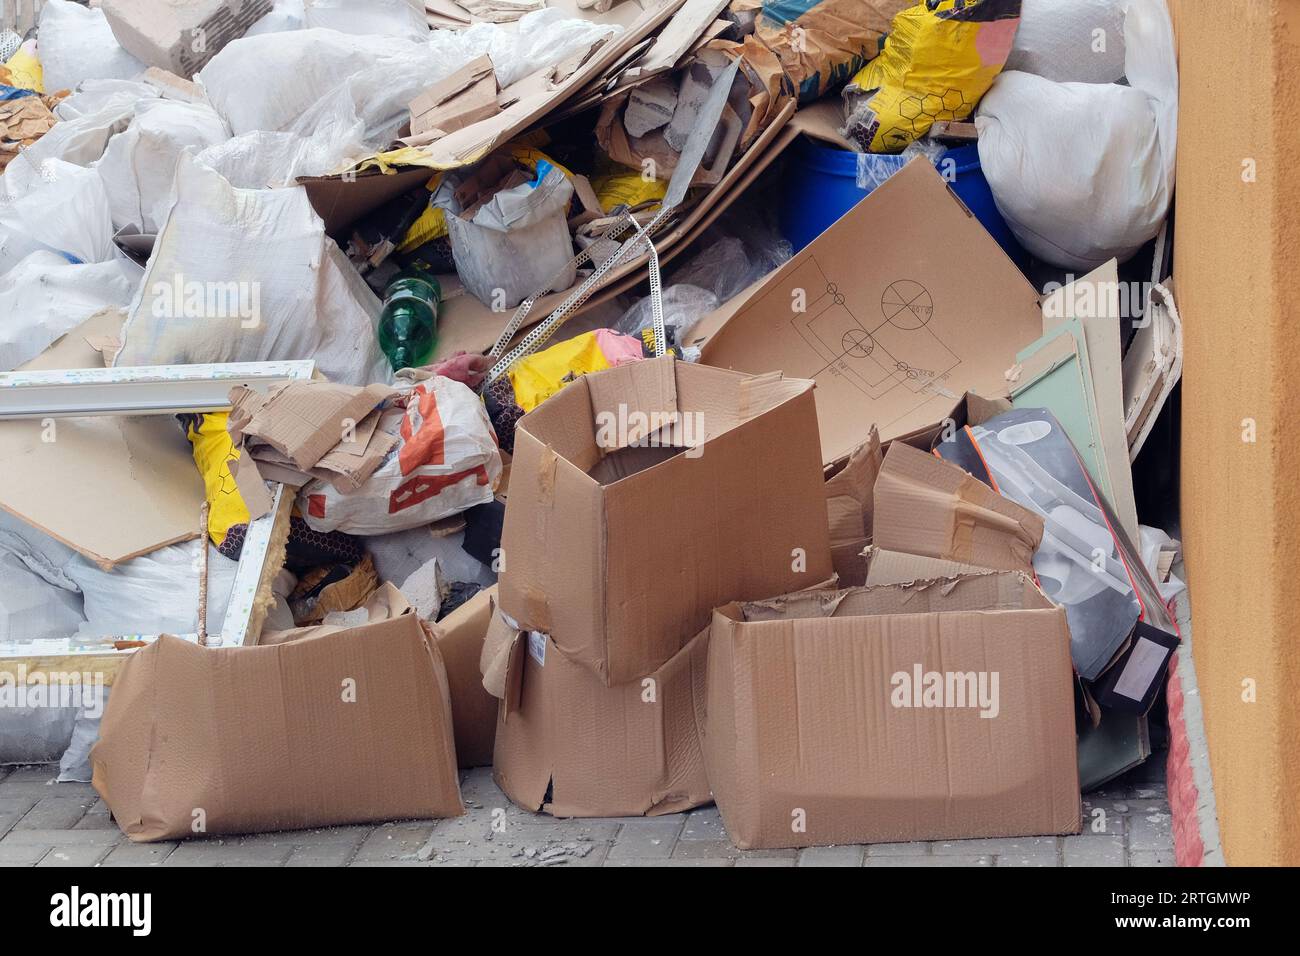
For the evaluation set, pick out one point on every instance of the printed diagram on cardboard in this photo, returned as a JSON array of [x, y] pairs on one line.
[[874, 354]]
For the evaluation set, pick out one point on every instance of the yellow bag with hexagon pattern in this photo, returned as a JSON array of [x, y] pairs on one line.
[[939, 58]]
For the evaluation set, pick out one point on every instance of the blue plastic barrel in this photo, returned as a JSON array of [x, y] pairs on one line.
[[822, 185]]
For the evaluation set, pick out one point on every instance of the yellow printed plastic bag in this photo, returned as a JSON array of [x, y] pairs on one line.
[[24, 68], [628, 188], [213, 453], [939, 58], [538, 377]]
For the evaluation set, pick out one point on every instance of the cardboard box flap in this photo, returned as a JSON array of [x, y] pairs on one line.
[[850, 506], [924, 505], [978, 591], [460, 636], [631, 402], [895, 567]]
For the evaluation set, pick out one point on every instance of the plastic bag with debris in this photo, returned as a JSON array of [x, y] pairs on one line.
[[65, 211], [683, 306], [403, 18], [728, 265], [1070, 41], [447, 461], [248, 275], [45, 296], [509, 234]]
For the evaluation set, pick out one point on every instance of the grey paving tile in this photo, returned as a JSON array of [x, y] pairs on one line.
[[75, 856], [831, 856], [139, 854], [947, 860], [1094, 850], [651, 837]]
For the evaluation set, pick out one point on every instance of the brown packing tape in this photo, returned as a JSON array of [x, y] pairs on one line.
[[494, 661]]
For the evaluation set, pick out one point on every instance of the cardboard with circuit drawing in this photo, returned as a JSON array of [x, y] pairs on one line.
[[896, 310]]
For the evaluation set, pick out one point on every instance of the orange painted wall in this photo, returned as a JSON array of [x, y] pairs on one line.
[[1236, 269]]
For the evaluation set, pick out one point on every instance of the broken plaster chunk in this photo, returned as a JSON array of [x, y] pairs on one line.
[[650, 107]]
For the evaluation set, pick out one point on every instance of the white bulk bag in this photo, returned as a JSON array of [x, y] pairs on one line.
[[45, 296], [1084, 172], [1070, 41]]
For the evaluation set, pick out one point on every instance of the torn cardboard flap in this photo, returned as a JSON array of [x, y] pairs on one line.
[[460, 637], [494, 660], [466, 96], [305, 420], [890, 330], [849, 508], [927, 506], [895, 567]]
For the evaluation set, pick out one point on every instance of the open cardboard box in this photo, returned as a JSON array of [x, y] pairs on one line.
[[643, 496], [827, 720]]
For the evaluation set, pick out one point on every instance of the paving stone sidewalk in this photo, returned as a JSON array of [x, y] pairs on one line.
[[65, 824]]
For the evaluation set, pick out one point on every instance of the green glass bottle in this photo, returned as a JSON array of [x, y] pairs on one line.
[[408, 324]]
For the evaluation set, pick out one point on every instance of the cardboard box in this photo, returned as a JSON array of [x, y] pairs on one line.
[[902, 304], [346, 727], [643, 496], [822, 725], [180, 36], [570, 746], [460, 636], [925, 505]]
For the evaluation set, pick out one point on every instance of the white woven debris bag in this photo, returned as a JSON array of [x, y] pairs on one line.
[[45, 296], [1070, 41], [447, 461], [403, 18], [138, 165], [248, 275], [62, 209], [155, 593], [76, 44], [1084, 172]]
